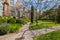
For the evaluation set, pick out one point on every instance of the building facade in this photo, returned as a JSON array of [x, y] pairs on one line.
[[13, 7], [6, 8], [1, 7], [18, 9]]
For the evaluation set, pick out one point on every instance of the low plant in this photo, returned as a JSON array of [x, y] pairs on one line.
[[4, 28], [12, 20], [55, 35], [15, 27]]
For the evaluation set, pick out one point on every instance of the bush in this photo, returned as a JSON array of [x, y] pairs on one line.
[[14, 27], [12, 20], [17, 20], [4, 29], [2, 20], [11, 24], [27, 19], [22, 20], [9, 28]]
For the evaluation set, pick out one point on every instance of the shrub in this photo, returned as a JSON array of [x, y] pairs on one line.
[[27, 19], [4, 28], [17, 20], [2, 20], [9, 28], [14, 27], [22, 20], [12, 20]]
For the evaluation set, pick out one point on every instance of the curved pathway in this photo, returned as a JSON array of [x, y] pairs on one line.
[[45, 30], [26, 34]]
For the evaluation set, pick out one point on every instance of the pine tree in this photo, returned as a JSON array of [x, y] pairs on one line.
[[58, 15], [32, 13]]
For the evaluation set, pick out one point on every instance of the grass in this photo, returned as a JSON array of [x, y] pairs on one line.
[[11, 25], [55, 35], [9, 28], [43, 24], [15, 27]]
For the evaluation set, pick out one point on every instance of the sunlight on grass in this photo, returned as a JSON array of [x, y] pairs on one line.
[[55, 35], [43, 24], [15, 27]]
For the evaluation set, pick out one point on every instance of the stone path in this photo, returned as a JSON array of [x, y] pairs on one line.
[[26, 34], [23, 34], [8, 36], [29, 34], [45, 30]]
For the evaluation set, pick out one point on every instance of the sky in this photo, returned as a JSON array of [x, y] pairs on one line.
[[44, 5]]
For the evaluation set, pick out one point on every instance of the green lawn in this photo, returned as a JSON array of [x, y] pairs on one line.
[[55, 35], [15, 27], [43, 24]]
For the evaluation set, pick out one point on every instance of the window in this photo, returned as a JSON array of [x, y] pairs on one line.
[[11, 2], [1, 6]]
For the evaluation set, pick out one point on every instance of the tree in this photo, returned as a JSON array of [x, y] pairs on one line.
[[18, 13], [58, 14], [5, 3], [32, 13], [18, 9]]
